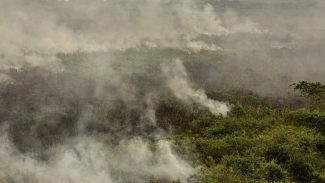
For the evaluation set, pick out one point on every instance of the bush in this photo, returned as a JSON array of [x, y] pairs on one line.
[[277, 153], [212, 147], [237, 110], [272, 172], [301, 171], [255, 144], [314, 119], [245, 165]]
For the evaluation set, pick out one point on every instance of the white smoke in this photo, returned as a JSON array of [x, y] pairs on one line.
[[86, 160], [40, 29], [182, 88], [33, 33]]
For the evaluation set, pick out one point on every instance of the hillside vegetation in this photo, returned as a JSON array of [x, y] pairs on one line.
[[257, 142], [260, 140]]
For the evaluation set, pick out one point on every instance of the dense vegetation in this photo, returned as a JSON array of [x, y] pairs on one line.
[[257, 142], [263, 139]]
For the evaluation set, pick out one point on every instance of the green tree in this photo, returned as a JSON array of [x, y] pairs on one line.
[[315, 92]]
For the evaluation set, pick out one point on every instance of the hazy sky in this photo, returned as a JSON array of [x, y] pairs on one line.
[[265, 45]]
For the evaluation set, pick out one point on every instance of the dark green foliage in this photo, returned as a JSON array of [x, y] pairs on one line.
[[173, 114], [314, 119], [246, 165], [259, 144], [261, 140], [277, 153], [315, 92], [238, 110], [272, 172], [301, 170]]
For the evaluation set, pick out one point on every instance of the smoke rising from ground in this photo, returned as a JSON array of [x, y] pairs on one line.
[[86, 160], [80, 80], [178, 82], [33, 32], [256, 52]]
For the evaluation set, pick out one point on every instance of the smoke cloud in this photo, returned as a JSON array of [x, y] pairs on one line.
[[34, 32], [178, 82], [80, 80], [86, 160]]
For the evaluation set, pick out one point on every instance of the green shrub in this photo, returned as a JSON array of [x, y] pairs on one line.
[[237, 110], [240, 144], [247, 166], [278, 153], [212, 147], [220, 174], [272, 172], [301, 170], [314, 119], [258, 144]]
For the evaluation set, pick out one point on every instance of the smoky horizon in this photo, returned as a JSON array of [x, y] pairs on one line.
[[85, 85]]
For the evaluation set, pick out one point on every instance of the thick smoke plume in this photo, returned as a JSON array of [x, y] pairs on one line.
[[85, 160]]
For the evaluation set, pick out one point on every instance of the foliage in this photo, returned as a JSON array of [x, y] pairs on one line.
[[313, 119], [313, 91], [257, 143], [273, 172]]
